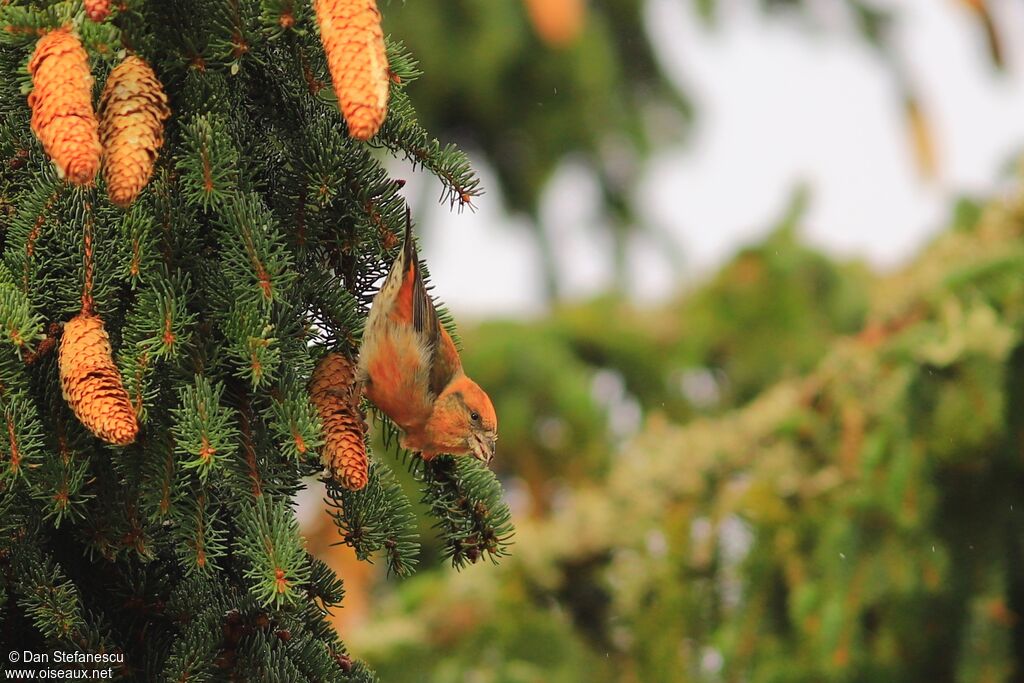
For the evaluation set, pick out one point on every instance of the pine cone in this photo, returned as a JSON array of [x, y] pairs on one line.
[[97, 10], [91, 382], [133, 108], [556, 22], [61, 102], [354, 42], [335, 393]]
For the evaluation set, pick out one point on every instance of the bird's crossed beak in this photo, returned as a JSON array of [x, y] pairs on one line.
[[483, 448]]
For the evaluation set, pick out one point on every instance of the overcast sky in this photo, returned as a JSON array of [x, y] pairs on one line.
[[776, 106]]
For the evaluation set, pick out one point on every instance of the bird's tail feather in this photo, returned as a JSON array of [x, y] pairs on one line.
[[411, 257]]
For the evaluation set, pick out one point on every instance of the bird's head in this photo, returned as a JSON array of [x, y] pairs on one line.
[[464, 421]]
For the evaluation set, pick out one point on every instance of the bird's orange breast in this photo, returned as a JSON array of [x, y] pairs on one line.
[[397, 381]]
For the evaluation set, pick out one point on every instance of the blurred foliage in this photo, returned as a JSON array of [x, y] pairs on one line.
[[527, 104], [542, 392], [562, 385], [533, 84], [771, 312], [862, 521]]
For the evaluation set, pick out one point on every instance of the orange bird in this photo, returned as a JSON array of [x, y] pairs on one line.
[[411, 369]]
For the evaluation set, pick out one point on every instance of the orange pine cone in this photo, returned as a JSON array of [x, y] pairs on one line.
[[354, 43], [133, 108], [61, 102], [336, 395], [92, 383], [557, 22], [97, 10]]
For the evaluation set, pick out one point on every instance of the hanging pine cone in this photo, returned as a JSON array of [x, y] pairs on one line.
[[336, 395], [354, 43], [557, 22], [97, 10], [61, 102], [92, 383], [133, 108]]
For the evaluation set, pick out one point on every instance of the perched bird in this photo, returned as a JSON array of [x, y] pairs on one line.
[[411, 369]]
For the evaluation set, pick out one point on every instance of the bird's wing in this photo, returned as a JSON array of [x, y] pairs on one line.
[[446, 364]]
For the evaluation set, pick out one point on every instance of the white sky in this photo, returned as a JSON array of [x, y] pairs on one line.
[[777, 105]]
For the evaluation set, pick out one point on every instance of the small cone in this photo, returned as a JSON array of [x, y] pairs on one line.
[[91, 382], [354, 43], [335, 394], [557, 22], [133, 108], [61, 102], [97, 10]]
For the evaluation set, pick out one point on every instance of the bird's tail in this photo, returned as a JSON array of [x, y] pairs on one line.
[[411, 256], [424, 317]]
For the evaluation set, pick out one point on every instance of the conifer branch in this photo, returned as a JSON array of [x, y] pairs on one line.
[[199, 606], [209, 162], [36, 207], [204, 428], [256, 262], [296, 422], [157, 331], [233, 27], [60, 493], [270, 542], [260, 239], [245, 423], [465, 498], [19, 325], [159, 471], [137, 229], [21, 435], [402, 133], [279, 17], [252, 346], [47, 595], [201, 538], [326, 589], [22, 26], [377, 517]]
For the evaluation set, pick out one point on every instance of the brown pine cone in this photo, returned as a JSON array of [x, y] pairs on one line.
[[354, 43], [92, 383], [61, 102], [335, 393], [133, 108]]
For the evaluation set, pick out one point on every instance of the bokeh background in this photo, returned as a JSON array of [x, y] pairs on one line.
[[747, 287]]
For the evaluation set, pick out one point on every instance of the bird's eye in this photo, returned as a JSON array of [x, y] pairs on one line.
[[475, 416]]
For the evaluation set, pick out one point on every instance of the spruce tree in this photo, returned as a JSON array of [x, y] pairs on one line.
[[252, 252]]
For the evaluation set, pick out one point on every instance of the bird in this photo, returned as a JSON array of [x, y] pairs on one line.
[[410, 369]]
